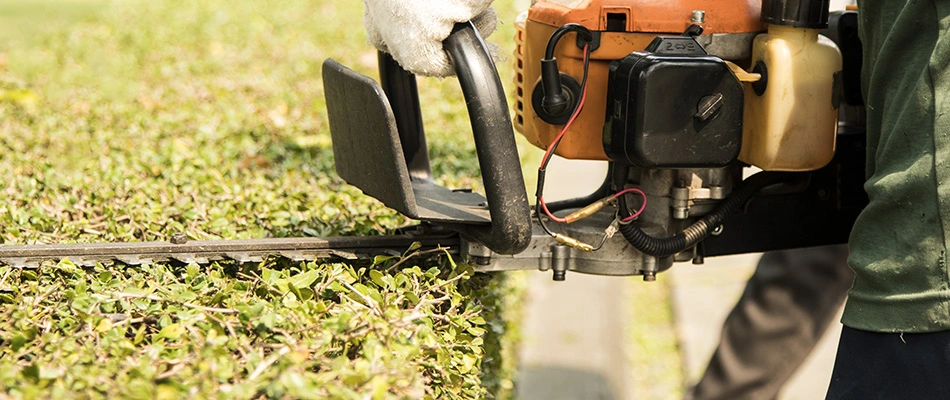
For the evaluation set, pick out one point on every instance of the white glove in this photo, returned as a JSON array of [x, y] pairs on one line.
[[412, 31]]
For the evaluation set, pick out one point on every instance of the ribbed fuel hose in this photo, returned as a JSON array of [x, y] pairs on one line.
[[689, 237]]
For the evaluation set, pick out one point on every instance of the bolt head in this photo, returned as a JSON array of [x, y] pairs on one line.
[[178, 238]]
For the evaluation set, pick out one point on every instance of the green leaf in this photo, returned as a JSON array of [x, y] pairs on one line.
[[293, 290], [476, 331], [290, 302], [378, 260], [192, 270], [139, 335], [269, 275], [377, 278], [320, 307], [451, 259], [301, 280], [42, 373], [68, 266], [171, 332], [267, 321], [18, 342], [104, 325], [369, 292], [246, 313], [468, 363], [304, 294]]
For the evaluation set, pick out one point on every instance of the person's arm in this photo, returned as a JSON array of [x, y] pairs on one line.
[[412, 31]]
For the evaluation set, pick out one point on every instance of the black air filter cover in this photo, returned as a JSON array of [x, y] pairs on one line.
[[673, 106]]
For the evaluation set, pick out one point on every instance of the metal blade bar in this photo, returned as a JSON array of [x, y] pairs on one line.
[[243, 250]]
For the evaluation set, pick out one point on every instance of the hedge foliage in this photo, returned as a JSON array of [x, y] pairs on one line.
[[133, 120], [271, 330]]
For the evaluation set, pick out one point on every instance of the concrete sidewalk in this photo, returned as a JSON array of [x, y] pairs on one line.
[[702, 298], [573, 339], [573, 330]]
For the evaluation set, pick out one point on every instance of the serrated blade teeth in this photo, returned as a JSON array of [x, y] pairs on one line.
[[292, 255], [86, 262], [190, 258], [206, 251], [15, 262], [244, 257], [131, 260]]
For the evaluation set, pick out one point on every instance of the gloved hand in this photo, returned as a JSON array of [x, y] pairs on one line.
[[412, 31]]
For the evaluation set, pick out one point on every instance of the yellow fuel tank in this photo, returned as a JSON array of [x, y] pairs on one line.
[[791, 124]]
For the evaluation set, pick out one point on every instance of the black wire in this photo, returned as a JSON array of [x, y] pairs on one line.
[[699, 230], [544, 163], [581, 30], [602, 242], [540, 214]]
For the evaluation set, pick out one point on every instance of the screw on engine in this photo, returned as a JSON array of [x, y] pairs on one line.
[[559, 258], [699, 17]]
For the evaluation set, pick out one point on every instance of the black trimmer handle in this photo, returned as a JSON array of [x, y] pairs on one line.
[[510, 228]]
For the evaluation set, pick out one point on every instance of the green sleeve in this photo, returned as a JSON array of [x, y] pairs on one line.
[[898, 244]]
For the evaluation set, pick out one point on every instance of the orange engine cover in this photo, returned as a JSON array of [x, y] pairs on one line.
[[625, 26]]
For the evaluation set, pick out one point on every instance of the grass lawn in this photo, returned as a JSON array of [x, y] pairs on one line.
[[131, 120]]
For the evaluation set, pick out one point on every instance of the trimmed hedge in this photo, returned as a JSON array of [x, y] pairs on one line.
[[271, 330], [134, 120]]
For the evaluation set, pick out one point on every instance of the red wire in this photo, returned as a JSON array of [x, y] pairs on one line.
[[642, 206], [549, 214], [557, 139], [548, 153]]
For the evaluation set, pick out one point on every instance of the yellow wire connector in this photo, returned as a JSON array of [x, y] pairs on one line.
[[571, 242], [590, 210]]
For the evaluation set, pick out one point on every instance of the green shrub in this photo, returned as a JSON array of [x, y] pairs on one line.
[[133, 120], [271, 330]]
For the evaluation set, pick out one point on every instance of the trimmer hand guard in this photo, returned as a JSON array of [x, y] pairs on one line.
[[369, 154], [379, 145]]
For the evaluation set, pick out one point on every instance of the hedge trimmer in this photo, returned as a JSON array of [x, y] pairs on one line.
[[654, 88]]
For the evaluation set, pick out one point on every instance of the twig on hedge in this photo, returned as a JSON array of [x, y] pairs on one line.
[[267, 363], [439, 286], [5, 276], [413, 255], [434, 301], [258, 279], [174, 370], [39, 299], [369, 302], [181, 303]]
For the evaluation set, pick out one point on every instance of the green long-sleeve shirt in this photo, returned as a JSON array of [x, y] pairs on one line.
[[899, 242]]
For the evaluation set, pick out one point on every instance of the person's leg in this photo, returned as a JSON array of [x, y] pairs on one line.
[[787, 304], [874, 365]]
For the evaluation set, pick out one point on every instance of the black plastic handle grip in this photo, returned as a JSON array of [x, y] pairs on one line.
[[510, 228]]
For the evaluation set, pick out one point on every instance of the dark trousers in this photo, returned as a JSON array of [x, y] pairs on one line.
[[787, 304], [873, 365]]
